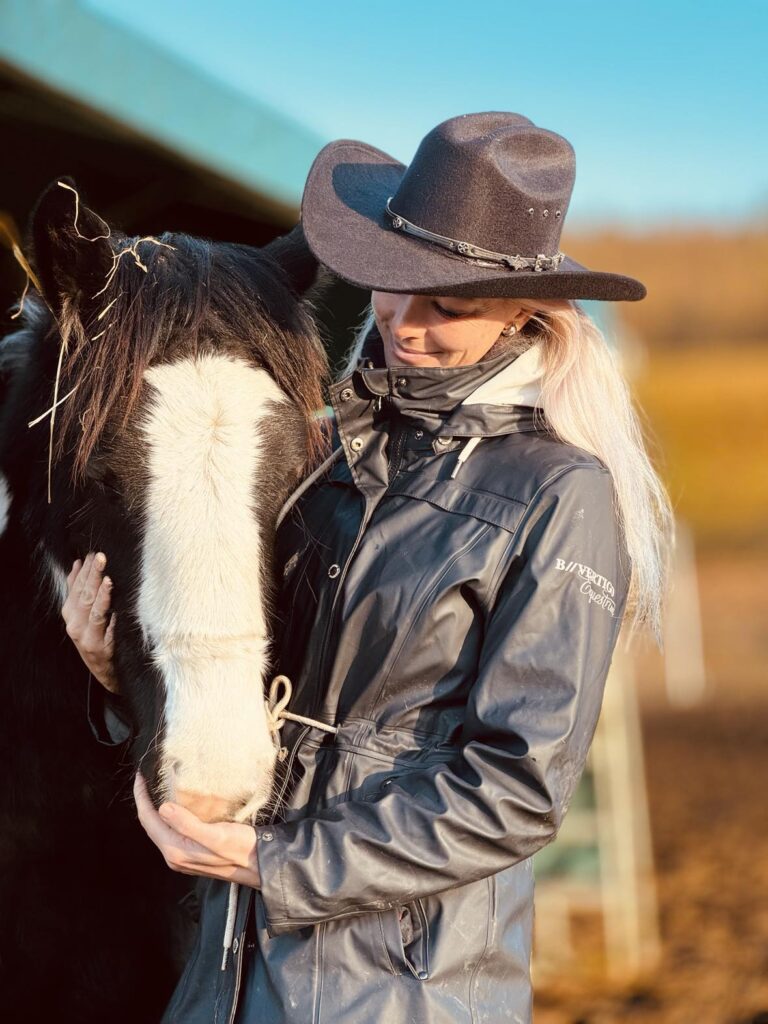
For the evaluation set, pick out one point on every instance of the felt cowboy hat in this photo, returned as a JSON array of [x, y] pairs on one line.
[[478, 212]]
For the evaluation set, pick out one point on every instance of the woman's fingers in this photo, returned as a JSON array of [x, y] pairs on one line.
[[109, 634], [85, 586], [82, 576], [99, 613], [93, 580], [189, 856], [228, 842], [181, 852], [73, 572], [87, 619]]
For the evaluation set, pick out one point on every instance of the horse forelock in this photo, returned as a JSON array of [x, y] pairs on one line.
[[194, 296]]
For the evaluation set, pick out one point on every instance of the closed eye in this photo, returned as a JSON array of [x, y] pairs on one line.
[[449, 314]]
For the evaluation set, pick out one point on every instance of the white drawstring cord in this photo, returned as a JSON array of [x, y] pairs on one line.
[[464, 454], [307, 482], [277, 715], [229, 927]]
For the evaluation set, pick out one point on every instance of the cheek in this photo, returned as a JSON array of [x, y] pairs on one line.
[[383, 306], [464, 336]]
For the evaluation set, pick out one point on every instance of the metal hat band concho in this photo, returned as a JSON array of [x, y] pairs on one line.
[[540, 262]]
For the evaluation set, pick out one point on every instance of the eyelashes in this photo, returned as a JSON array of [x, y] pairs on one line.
[[449, 314]]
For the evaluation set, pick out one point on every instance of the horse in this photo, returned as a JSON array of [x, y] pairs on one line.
[[159, 403]]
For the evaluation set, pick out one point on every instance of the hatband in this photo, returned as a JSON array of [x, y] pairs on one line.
[[474, 252]]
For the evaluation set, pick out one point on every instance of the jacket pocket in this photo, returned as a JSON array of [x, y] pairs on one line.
[[405, 931]]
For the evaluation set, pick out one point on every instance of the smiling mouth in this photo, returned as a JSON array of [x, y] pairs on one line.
[[412, 351]]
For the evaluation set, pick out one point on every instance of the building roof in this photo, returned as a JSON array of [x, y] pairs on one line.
[[144, 90]]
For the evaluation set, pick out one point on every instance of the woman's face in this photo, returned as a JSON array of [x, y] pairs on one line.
[[430, 330]]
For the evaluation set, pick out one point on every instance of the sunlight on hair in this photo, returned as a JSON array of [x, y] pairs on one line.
[[23, 262], [587, 402]]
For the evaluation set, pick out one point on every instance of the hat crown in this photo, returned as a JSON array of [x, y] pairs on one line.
[[495, 180]]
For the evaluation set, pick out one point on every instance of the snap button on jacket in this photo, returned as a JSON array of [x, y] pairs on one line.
[[456, 622]]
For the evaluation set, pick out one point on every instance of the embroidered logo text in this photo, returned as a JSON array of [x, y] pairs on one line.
[[596, 587]]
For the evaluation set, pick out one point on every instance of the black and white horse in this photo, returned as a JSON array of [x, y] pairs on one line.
[[173, 384]]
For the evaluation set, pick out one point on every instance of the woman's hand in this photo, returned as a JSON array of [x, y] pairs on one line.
[[224, 850], [86, 614]]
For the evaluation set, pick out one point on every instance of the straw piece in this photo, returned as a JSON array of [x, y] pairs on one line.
[[96, 238]]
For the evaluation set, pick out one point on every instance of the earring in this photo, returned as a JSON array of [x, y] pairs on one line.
[[509, 330]]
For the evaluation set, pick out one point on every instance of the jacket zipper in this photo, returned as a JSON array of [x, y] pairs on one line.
[[396, 458], [241, 952], [239, 957]]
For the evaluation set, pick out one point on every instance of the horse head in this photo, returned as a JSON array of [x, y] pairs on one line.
[[178, 383]]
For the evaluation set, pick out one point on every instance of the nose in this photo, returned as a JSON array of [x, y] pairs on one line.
[[207, 807], [403, 319]]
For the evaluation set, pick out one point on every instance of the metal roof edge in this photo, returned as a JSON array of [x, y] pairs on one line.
[[129, 79]]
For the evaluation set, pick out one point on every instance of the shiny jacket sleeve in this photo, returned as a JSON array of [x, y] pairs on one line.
[[530, 719], [107, 715]]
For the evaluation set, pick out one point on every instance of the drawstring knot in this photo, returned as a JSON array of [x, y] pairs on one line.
[[277, 714]]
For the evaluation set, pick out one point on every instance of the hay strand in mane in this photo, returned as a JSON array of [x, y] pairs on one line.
[[133, 251]]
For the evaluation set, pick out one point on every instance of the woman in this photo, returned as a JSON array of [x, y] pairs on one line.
[[453, 591]]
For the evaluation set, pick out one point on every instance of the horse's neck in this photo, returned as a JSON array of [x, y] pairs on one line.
[[41, 674]]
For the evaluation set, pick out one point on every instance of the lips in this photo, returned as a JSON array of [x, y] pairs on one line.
[[401, 350]]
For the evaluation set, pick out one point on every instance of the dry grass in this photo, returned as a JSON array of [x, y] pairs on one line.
[[708, 408], [703, 285]]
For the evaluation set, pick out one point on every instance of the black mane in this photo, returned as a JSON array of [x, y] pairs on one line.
[[168, 297]]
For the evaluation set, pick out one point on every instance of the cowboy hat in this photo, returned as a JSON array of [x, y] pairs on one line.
[[478, 212]]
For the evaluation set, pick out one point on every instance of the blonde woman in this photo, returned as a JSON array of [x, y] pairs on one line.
[[454, 579]]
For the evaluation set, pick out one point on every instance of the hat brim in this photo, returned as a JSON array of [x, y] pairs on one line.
[[348, 230]]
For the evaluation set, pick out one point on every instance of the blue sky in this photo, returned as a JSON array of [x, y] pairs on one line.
[[666, 103]]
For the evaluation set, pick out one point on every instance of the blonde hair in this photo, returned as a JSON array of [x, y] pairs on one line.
[[587, 402]]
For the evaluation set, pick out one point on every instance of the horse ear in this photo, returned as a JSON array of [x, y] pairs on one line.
[[295, 257], [70, 245]]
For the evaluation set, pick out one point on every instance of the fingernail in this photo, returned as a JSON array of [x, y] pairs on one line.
[[101, 560], [107, 582]]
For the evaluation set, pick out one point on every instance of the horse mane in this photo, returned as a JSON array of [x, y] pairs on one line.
[[176, 293]]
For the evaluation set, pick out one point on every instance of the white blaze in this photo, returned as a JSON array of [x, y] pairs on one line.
[[200, 601]]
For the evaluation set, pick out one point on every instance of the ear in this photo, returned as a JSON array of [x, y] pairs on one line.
[[295, 257], [70, 245]]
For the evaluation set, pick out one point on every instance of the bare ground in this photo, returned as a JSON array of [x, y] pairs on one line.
[[707, 776]]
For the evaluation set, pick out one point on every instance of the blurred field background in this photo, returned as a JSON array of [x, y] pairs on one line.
[[697, 357]]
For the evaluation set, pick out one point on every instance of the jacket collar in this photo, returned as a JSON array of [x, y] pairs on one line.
[[492, 397]]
